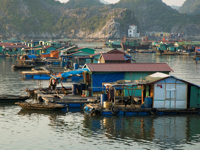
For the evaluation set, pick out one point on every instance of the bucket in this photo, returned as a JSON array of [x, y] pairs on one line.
[[107, 105], [74, 89], [103, 98], [148, 102], [75, 66]]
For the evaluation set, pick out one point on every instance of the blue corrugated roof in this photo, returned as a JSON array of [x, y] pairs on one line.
[[31, 56]]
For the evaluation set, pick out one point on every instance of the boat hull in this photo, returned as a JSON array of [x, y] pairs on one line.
[[143, 47], [22, 66], [12, 98], [40, 106]]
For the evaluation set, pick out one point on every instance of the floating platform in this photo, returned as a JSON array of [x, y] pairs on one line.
[[37, 74], [134, 110], [72, 101]]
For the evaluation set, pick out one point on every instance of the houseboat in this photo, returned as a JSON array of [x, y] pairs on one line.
[[160, 94]]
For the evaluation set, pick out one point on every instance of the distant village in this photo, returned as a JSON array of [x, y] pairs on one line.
[[108, 82]]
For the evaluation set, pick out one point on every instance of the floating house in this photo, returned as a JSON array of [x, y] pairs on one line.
[[12, 50], [87, 50], [111, 72], [166, 91], [112, 58], [32, 44], [3, 49]]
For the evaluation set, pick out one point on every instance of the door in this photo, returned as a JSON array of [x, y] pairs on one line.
[[170, 96]]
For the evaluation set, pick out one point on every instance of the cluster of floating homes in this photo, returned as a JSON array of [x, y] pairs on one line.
[[163, 47], [176, 48], [110, 83]]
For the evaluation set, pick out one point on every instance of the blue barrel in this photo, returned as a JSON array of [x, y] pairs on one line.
[[75, 66], [103, 98], [74, 89], [148, 102]]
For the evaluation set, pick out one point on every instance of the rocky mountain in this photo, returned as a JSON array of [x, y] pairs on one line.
[[154, 15], [90, 18], [175, 7], [190, 7], [72, 4], [104, 2]]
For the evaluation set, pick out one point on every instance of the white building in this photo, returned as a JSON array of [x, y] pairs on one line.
[[132, 31]]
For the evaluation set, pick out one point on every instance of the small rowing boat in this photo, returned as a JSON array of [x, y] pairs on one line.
[[40, 106], [12, 98], [22, 66]]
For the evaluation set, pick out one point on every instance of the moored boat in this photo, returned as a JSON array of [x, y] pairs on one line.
[[22, 66], [40, 106], [12, 98]]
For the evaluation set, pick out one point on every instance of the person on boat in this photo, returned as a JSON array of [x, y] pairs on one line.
[[50, 84], [55, 82], [110, 93]]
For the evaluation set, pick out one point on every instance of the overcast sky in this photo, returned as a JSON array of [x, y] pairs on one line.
[[168, 2]]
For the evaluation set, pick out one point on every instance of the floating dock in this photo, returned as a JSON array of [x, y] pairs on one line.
[[134, 110], [37, 74], [72, 101]]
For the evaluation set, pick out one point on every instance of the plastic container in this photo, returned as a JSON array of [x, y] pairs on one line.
[[74, 89], [75, 66], [148, 102], [103, 98]]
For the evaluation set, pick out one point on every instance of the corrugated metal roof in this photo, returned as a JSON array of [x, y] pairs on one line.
[[15, 46], [4, 44], [160, 76], [129, 67], [113, 57]]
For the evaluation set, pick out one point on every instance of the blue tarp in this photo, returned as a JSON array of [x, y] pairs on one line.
[[45, 53], [98, 79], [74, 72], [31, 56], [198, 49]]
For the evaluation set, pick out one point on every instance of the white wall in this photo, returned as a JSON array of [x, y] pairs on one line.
[[172, 94]]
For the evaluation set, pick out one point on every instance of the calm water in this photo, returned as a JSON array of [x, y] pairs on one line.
[[22, 130]]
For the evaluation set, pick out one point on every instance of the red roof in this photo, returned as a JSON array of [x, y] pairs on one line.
[[4, 44], [113, 57], [15, 46], [129, 67]]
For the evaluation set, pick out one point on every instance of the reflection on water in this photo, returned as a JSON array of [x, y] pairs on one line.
[[163, 132]]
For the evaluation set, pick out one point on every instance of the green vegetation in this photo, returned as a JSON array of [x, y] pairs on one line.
[[50, 16], [72, 4], [155, 13], [190, 7]]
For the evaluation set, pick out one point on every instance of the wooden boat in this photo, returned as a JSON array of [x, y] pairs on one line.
[[22, 66], [12, 98], [40, 106]]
